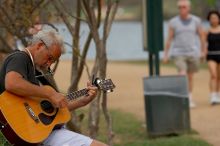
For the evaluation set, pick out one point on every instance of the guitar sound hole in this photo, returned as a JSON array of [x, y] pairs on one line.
[[47, 106]]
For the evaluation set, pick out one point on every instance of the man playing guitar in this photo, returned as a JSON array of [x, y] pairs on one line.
[[17, 76]]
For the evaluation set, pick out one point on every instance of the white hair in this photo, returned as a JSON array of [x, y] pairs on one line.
[[49, 37], [187, 2]]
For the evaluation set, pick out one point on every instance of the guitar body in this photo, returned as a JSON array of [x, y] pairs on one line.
[[32, 119]]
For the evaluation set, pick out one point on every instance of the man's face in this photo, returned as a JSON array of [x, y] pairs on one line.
[[45, 56], [184, 8]]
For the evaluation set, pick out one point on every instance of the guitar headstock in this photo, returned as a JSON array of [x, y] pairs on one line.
[[104, 84]]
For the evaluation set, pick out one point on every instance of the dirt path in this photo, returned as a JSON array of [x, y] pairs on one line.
[[128, 96]]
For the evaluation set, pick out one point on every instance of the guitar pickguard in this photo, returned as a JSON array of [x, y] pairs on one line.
[[46, 119], [47, 107]]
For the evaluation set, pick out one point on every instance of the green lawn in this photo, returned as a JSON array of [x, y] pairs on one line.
[[3, 141], [131, 132]]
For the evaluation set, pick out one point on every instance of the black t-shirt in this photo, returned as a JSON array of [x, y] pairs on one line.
[[21, 63]]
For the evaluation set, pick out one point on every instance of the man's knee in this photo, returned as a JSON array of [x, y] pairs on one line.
[[97, 143], [182, 72]]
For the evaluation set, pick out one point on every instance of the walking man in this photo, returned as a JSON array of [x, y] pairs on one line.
[[184, 29]]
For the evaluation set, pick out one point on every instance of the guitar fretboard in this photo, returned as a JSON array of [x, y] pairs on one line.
[[103, 85], [77, 94]]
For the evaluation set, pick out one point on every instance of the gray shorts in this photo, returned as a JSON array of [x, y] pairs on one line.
[[64, 137], [186, 63]]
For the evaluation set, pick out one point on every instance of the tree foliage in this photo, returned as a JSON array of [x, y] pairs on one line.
[[16, 17]]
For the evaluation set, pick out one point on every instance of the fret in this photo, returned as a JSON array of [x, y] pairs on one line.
[[85, 92], [77, 94], [80, 93], [74, 95], [70, 96]]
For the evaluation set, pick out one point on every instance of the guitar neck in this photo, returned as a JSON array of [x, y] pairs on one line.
[[76, 94], [103, 85]]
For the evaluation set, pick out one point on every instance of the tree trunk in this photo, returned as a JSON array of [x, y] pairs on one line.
[[94, 116], [100, 66]]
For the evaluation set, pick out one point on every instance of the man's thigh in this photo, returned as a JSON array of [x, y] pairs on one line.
[[193, 64], [64, 137], [180, 62]]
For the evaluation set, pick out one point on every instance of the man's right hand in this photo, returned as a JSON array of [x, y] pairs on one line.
[[58, 100], [165, 59]]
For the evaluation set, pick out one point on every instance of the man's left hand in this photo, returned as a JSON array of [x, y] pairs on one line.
[[92, 92]]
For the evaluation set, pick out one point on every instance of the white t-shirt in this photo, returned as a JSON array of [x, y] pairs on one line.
[[185, 41]]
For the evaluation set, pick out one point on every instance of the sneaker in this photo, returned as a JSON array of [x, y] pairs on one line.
[[215, 100], [192, 104]]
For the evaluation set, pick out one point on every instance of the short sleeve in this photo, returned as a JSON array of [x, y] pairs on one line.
[[17, 62], [172, 22], [198, 22]]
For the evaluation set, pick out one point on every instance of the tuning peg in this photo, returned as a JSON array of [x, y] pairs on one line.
[[97, 82], [111, 90]]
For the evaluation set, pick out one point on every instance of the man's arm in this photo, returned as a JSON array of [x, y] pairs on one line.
[[202, 38], [168, 44], [92, 91], [15, 83]]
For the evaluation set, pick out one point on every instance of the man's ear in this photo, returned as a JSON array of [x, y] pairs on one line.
[[39, 45]]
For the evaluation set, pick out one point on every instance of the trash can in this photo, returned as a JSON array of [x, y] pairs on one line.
[[166, 105]]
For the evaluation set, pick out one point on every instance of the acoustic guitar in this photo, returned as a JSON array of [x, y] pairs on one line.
[[32, 119]]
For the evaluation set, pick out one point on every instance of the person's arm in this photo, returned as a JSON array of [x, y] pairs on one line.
[[168, 43], [202, 41], [92, 91], [15, 83], [205, 43]]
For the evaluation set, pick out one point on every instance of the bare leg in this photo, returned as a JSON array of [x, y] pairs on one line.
[[97, 143], [218, 76], [213, 76], [214, 69], [182, 72], [190, 81], [190, 87], [189, 78]]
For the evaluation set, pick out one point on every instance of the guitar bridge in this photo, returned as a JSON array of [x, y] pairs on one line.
[[31, 112]]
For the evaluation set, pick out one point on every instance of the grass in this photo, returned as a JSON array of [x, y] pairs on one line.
[[3, 141], [131, 132]]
